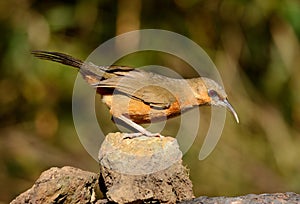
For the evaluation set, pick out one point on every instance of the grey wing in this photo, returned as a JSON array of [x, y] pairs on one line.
[[145, 86]]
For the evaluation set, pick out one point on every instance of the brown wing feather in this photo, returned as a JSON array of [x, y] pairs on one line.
[[144, 86]]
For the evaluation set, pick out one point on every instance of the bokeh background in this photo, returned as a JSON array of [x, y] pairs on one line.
[[254, 44]]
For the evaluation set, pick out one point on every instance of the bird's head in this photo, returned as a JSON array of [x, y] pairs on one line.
[[218, 96]]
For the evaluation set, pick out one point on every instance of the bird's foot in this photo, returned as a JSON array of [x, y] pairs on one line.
[[149, 134], [139, 134], [132, 135]]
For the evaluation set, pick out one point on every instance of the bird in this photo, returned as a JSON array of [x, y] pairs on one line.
[[136, 96]]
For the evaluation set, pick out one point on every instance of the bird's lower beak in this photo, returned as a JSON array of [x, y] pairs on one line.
[[231, 109]]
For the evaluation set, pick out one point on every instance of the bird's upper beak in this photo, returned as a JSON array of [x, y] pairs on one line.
[[231, 109]]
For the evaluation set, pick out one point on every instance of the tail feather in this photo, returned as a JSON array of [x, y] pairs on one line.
[[92, 73], [58, 57]]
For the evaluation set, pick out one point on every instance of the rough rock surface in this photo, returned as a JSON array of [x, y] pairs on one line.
[[275, 198], [140, 155], [143, 169], [61, 185], [71, 185]]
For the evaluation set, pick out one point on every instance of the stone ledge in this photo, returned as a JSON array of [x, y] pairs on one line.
[[70, 185], [274, 198]]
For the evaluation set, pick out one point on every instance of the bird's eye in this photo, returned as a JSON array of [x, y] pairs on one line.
[[212, 93]]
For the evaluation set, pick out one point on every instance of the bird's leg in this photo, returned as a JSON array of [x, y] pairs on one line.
[[142, 131]]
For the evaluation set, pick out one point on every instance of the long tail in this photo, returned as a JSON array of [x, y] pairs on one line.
[[58, 57], [92, 73]]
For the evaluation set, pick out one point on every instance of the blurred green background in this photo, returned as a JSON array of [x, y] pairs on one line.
[[254, 44]]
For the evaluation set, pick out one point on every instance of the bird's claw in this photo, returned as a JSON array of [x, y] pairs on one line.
[[139, 134]]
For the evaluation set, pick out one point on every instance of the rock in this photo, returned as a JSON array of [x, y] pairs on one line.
[[288, 198], [71, 185], [61, 185], [143, 169]]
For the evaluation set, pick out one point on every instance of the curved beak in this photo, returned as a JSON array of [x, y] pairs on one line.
[[231, 109]]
